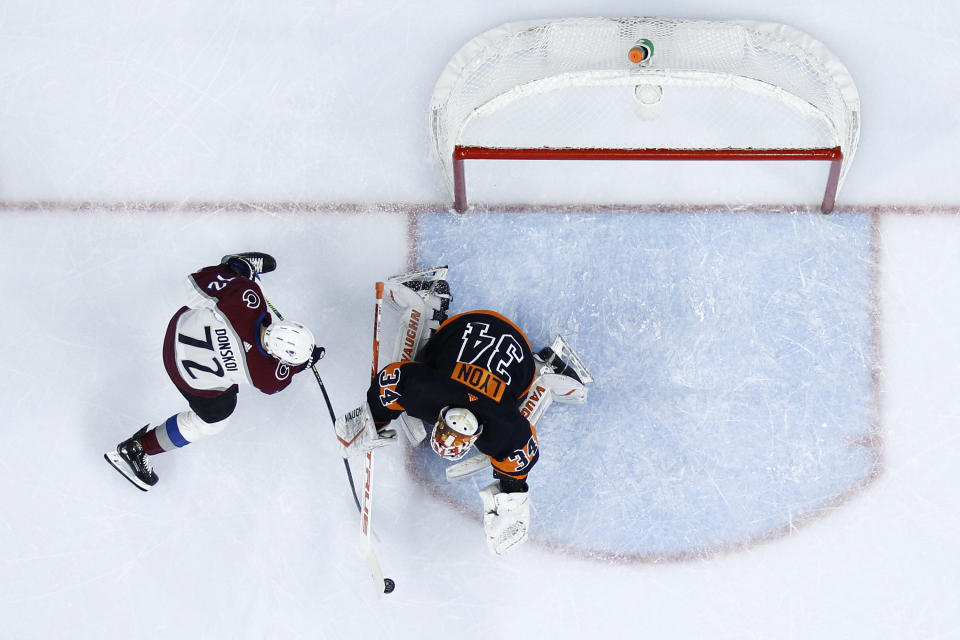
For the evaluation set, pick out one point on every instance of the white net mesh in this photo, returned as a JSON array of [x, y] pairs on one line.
[[569, 84]]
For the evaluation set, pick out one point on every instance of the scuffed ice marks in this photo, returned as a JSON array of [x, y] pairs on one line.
[[730, 352]]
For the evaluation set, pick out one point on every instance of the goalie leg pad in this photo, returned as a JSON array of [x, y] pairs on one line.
[[409, 319], [547, 389], [564, 389], [506, 518], [431, 285]]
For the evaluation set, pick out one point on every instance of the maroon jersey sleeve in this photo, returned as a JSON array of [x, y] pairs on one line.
[[241, 302]]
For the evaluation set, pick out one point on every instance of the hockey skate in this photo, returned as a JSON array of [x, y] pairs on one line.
[[130, 460], [250, 264], [561, 357]]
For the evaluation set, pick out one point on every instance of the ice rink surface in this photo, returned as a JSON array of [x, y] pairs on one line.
[[770, 447], [732, 354]]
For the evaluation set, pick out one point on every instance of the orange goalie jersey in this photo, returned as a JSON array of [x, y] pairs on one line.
[[478, 360]]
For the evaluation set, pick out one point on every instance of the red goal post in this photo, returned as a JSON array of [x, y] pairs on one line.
[[566, 90]]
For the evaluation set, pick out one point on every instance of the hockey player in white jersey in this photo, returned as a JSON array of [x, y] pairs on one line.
[[224, 337]]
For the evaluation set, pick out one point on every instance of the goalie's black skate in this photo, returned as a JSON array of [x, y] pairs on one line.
[[130, 460], [559, 366], [250, 264]]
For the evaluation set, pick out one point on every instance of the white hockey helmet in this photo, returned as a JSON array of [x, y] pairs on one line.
[[454, 432], [289, 342]]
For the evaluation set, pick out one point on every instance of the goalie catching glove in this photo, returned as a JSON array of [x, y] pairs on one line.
[[357, 433], [506, 518]]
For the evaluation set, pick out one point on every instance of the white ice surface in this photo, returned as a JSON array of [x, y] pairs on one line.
[[251, 534], [327, 101]]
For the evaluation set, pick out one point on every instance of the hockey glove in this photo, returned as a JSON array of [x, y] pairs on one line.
[[506, 518], [357, 433], [318, 353]]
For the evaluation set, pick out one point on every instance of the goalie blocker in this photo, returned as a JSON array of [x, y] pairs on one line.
[[479, 363]]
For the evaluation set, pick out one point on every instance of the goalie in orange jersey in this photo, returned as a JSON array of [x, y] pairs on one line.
[[471, 377]]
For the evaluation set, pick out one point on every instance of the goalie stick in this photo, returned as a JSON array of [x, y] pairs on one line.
[[383, 585], [386, 584]]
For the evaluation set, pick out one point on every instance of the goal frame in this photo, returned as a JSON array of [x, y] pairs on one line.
[[833, 155], [829, 97]]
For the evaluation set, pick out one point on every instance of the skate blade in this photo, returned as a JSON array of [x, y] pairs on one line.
[[117, 463], [566, 353], [429, 274]]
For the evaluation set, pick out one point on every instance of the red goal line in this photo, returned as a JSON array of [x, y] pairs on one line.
[[833, 155]]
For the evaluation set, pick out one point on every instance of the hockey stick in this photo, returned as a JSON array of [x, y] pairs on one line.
[[383, 585], [333, 416]]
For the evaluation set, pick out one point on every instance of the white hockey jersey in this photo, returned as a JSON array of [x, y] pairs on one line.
[[214, 342]]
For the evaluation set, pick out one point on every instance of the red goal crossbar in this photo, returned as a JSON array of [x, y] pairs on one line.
[[461, 153]]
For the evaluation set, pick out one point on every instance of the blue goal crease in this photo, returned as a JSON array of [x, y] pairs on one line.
[[732, 356]]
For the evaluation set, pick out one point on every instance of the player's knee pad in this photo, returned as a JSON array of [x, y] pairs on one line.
[[190, 428]]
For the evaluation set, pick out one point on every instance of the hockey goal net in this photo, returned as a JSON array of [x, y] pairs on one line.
[[706, 90]]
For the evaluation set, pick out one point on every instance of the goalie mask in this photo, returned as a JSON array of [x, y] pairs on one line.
[[454, 432], [289, 342]]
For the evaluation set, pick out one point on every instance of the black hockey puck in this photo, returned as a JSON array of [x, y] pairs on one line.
[[389, 585]]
